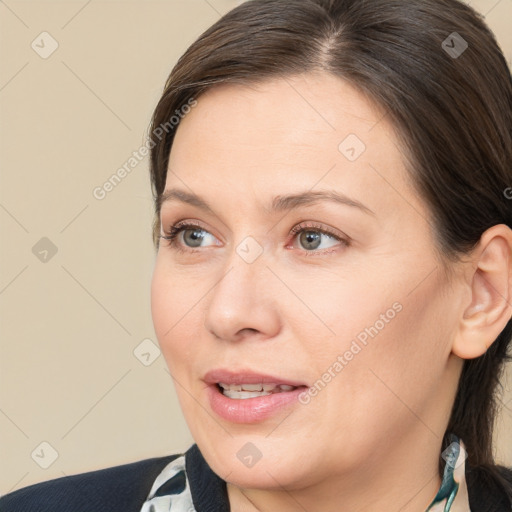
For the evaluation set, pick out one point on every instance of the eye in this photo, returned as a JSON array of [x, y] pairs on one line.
[[313, 238], [189, 235]]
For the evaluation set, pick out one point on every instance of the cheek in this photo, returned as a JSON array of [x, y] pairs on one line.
[[380, 340], [399, 364], [338, 309], [174, 312], [162, 301]]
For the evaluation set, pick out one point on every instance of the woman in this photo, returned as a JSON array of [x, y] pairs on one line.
[[332, 288]]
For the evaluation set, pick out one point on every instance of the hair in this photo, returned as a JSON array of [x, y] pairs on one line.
[[452, 113]]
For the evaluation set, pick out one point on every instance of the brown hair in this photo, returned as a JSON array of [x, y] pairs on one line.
[[450, 104]]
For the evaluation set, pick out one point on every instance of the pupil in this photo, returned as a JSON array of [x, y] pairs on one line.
[[310, 239], [193, 237]]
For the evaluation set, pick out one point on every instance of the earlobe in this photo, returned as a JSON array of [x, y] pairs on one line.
[[490, 283]]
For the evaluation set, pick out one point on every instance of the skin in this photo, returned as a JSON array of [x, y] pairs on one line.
[[370, 439]]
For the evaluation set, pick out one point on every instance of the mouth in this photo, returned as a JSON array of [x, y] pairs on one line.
[[250, 397]]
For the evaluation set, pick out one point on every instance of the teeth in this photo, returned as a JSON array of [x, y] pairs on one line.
[[252, 387], [242, 395], [232, 387], [244, 391]]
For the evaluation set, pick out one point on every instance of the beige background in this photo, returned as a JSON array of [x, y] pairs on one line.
[[69, 325]]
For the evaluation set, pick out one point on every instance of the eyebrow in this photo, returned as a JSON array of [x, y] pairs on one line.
[[279, 203]]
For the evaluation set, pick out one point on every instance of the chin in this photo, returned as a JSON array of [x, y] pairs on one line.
[[255, 462]]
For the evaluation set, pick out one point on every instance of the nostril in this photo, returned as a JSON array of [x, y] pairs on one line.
[[246, 331]]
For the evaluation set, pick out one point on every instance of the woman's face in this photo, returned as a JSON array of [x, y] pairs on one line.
[[304, 278]]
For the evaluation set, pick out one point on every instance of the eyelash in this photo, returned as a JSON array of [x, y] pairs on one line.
[[173, 232]]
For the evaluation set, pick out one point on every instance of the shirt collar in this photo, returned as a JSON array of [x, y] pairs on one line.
[[453, 493]]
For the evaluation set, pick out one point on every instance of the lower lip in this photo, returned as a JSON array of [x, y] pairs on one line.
[[250, 410]]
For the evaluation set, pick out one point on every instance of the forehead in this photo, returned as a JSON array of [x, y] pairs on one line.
[[314, 102], [306, 131]]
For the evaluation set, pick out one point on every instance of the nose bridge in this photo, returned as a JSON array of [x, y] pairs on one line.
[[241, 298], [245, 268]]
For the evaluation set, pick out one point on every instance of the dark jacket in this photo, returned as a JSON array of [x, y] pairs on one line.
[[125, 488]]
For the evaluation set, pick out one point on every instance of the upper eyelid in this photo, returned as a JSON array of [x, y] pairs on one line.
[[184, 224], [318, 227], [316, 224], [297, 227]]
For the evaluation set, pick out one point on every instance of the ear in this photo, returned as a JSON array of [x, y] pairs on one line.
[[490, 281]]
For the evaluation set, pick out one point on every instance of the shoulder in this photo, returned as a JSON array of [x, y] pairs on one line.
[[111, 489], [490, 488]]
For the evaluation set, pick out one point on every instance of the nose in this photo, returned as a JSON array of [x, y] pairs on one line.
[[242, 304]]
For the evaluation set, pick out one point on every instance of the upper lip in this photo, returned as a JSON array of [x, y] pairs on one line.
[[246, 377]]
